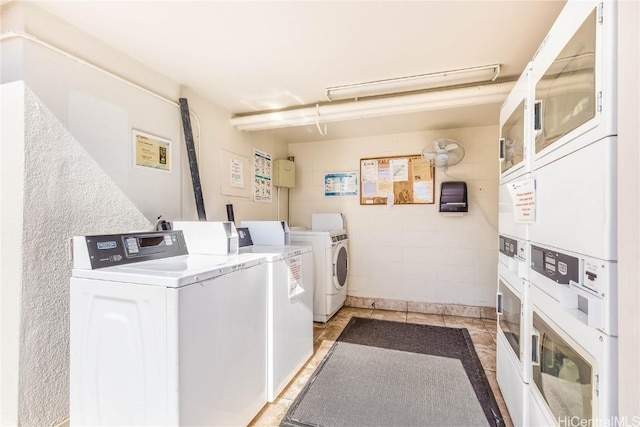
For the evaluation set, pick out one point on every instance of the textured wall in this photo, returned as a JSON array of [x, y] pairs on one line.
[[66, 193], [410, 252]]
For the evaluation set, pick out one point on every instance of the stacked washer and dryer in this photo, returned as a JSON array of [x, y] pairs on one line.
[[328, 237], [557, 284]]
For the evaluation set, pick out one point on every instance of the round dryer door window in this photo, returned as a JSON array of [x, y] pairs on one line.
[[340, 266]]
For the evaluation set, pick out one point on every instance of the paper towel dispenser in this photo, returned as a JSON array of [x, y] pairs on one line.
[[453, 197]]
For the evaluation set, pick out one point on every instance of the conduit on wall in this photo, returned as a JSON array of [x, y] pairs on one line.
[[365, 108], [7, 35]]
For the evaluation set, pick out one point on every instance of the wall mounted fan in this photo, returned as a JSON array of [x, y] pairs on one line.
[[443, 153]]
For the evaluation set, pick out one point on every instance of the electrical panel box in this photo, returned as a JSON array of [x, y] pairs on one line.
[[284, 173]]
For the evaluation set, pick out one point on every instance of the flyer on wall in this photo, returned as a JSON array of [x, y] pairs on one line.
[[262, 184]]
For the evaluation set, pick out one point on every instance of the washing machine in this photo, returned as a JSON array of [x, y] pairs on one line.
[[163, 337], [289, 311], [331, 259]]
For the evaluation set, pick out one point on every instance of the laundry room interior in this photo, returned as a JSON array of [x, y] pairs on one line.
[[210, 143]]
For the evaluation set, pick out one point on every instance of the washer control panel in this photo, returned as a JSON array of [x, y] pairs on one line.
[[338, 237], [512, 248], [559, 267], [116, 249]]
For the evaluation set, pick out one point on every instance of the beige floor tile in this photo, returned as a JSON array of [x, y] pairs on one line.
[[317, 332], [339, 321], [425, 319], [272, 413], [461, 310], [487, 358], [353, 312], [493, 382], [331, 332], [464, 322], [390, 304], [490, 325], [482, 339], [319, 354], [297, 383], [395, 316], [359, 302]]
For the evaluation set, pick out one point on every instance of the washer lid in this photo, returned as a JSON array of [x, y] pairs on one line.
[[174, 272], [276, 252]]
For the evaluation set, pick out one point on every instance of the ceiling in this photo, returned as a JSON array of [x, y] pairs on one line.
[[248, 56]]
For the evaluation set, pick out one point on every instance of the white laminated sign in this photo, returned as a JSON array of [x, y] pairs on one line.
[[523, 197]]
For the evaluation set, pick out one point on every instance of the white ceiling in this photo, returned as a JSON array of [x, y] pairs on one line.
[[248, 56]]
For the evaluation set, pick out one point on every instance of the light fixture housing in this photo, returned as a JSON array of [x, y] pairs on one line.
[[485, 73], [402, 104]]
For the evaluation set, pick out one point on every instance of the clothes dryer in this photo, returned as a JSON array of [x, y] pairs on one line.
[[161, 337], [575, 81], [584, 287], [331, 259], [513, 347], [516, 122], [574, 368], [289, 311]]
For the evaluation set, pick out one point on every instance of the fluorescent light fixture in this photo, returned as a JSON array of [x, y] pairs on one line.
[[403, 104], [484, 73]]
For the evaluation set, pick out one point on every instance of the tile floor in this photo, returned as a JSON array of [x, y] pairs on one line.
[[482, 331]]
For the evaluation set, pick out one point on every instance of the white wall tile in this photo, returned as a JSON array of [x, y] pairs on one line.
[[410, 252]]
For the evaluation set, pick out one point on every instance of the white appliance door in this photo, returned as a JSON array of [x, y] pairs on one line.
[[118, 368], [562, 372], [222, 336], [291, 329], [340, 267]]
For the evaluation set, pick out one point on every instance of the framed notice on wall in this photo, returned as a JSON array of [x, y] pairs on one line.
[[150, 151], [404, 179]]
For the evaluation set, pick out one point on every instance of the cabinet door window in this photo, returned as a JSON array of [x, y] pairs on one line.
[[513, 134], [566, 94]]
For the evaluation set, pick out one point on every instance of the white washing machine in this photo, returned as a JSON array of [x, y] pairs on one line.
[[289, 311], [331, 256], [160, 337]]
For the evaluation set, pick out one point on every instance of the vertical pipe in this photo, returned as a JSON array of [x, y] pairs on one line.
[[193, 161]]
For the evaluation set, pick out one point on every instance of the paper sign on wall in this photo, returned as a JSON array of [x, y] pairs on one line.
[[151, 151], [261, 176], [523, 197]]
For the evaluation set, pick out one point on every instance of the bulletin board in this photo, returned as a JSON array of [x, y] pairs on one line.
[[406, 179]]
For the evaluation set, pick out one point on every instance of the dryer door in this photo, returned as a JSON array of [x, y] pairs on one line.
[[340, 265]]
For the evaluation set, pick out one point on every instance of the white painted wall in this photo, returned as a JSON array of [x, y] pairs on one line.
[[67, 169], [11, 202], [410, 252], [629, 209], [218, 135]]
